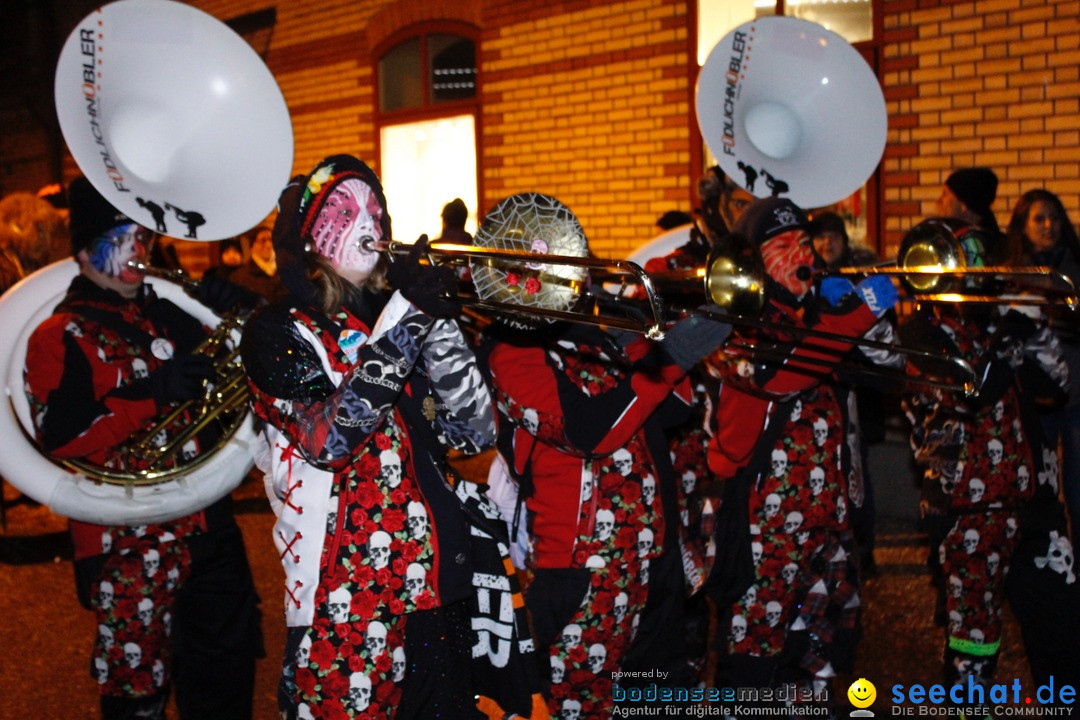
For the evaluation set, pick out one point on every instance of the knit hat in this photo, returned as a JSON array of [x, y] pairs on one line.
[[90, 214], [767, 218], [976, 187], [291, 244]]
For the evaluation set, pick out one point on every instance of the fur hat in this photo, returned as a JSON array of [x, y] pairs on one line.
[[769, 217], [90, 214]]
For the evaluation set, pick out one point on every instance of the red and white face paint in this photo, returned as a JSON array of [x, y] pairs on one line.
[[349, 216], [785, 256]]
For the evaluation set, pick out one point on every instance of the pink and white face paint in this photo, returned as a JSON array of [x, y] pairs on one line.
[[349, 216], [784, 256]]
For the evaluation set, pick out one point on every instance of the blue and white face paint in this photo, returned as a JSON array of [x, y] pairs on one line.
[[111, 252]]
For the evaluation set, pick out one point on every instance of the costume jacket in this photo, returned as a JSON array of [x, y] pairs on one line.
[[357, 414], [582, 421], [779, 438], [89, 390]]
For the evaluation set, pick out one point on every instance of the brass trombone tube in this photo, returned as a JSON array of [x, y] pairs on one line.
[[653, 329]]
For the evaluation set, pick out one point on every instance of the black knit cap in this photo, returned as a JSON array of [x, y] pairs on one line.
[[976, 187], [769, 217], [91, 215], [291, 246]]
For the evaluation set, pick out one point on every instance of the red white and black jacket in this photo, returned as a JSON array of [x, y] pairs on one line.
[[87, 380], [358, 414], [581, 424]]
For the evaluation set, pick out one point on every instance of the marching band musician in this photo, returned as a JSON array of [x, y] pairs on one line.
[[991, 479], [174, 603], [361, 393], [784, 577], [582, 415]]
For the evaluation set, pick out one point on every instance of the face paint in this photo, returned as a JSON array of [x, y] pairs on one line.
[[784, 256], [110, 253], [349, 216]]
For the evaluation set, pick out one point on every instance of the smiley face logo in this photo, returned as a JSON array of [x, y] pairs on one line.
[[862, 693]]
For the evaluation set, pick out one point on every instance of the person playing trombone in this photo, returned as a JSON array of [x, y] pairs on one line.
[[784, 578]]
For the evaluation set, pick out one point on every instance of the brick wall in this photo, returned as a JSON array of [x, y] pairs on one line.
[[994, 83]]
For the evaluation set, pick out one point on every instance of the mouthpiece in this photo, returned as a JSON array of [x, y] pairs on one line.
[[803, 273]]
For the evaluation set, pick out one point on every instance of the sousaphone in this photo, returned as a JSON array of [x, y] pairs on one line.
[[178, 123], [790, 108]]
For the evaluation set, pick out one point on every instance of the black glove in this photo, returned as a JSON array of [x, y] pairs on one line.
[[425, 286], [181, 378], [223, 296], [693, 339]]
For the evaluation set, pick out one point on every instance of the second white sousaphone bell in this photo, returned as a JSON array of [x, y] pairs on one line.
[[789, 108]]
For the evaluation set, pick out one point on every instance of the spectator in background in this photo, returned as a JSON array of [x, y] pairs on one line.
[[257, 273], [33, 234], [454, 215], [967, 195], [831, 242]]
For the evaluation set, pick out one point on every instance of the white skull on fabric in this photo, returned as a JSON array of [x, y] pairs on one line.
[[106, 542], [689, 481], [817, 480], [976, 488], [157, 672], [189, 451], [605, 524], [105, 636], [391, 468], [1059, 557], [779, 463], [132, 655], [622, 602], [570, 710], [993, 562], [101, 671], [597, 658], [643, 573], [415, 577], [623, 461], [738, 628], [956, 586], [1049, 474], [796, 410], [648, 489], [1010, 528], [772, 505], [146, 611], [749, 597], [558, 670], [971, 540], [995, 451], [976, 635], [571, 635], [955, 621], [172, 578], [788, 572], [397, 666], [530, 421], [773, 611], [105, 595], [644, 542], [303, 712], [138, 368], [756, 551], [586, 485], [151, 562], [375, 639], [821, 432], [303, 652], [338, 603], [1023, 478], [801, 537], [793, 521], [841, 509], [359, 691], [379, 549], [998, 412], [595, 562], [417, 519]]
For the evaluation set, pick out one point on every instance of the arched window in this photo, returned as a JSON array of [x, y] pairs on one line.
[[427, 109]]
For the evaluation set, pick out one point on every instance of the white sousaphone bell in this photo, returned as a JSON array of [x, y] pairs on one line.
[[178, 123], [790, 108], [174, 118]]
